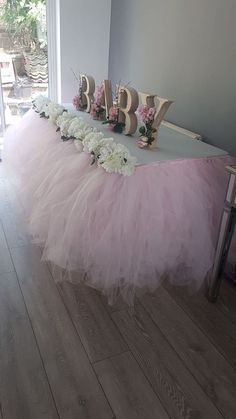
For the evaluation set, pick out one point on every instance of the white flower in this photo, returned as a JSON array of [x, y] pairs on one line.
[[75, 125], [91, 140], [117, 160], [39, 102], [83, 132], [78, 145], [95, 143], [63, 122], [53, 111], [78, 128], [65, 116], [44, 109]]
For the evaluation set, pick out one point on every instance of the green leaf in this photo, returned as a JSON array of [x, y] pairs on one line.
[[93, 161], [142, 130], [118, 127]]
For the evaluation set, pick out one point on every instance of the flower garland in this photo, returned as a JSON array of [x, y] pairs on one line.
[[105, 152]]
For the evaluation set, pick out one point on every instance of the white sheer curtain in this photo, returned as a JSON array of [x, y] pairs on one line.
[[2, 117], [54, 56], [2, 111]]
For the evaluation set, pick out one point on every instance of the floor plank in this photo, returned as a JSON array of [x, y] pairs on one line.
[[5, 258], [96, 329], [12, 216], [120, 304], [24, 389], [15, 230], [127, 389], [189, 380], [76, 390], [208, 366], [227, 300], [210, 319], [180, 394]]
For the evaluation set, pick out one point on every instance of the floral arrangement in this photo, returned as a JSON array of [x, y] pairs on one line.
[[78, 101], [97, 111], [113, 119], [113, 115], [147, 131], [105, 152]]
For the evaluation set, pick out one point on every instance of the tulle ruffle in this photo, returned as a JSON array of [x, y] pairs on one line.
[[121, 233]]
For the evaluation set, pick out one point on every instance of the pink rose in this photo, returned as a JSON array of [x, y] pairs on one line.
[[93, 109], [146, 114], [142, 142], [151, 113], [143, 112], [113, 113], [76, 102], [98, 95]]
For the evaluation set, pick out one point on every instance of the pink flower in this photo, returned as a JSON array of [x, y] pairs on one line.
[[76, 102], [113, 113], [93, 110], [142, 144], [143, 111], [146, 114], [151, 114], [98, 95]]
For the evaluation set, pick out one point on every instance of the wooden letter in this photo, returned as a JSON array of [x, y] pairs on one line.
[[128, 104], [88, 89]]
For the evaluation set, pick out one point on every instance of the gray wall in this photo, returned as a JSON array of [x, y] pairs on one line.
[[184, 50], [84, 42]]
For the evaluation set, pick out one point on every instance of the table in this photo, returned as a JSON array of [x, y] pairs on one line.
[[121, 234]]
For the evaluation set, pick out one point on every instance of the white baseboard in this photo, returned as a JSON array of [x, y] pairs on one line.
[[183, 131]]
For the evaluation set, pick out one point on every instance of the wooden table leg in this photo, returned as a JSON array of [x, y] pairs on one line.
[[227, 225], [225, 237]]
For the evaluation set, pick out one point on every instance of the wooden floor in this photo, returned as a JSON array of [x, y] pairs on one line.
[[65, 353]]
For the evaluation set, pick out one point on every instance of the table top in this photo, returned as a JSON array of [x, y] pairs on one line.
[[172, 145]]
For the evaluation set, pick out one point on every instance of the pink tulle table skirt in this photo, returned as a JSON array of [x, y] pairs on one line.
[[124, 233]]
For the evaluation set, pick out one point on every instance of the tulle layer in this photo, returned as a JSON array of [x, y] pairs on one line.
[[124, 233]]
